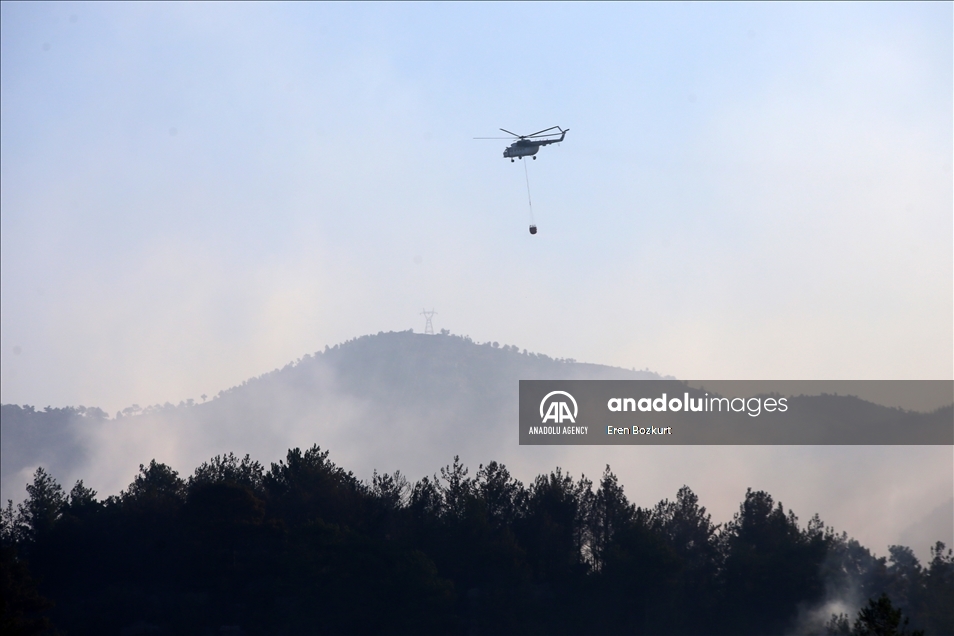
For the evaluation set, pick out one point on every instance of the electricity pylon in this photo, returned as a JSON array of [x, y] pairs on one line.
[[428, 326]]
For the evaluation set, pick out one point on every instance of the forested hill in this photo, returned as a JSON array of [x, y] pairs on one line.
[[386, 401], [311, 543], [391, 401]]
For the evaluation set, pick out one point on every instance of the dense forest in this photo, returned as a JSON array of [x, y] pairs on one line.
[[304, 547]]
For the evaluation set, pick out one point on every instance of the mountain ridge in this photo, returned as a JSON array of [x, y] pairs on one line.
[[425, 380], [411, 402]]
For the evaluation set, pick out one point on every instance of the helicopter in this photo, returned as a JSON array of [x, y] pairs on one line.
[[529, 145]]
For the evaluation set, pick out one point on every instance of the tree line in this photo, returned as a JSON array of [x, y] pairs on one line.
[[305, 547]]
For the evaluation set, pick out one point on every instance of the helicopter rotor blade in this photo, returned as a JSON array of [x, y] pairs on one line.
[[539, 132], [491, 137], [514, 134]]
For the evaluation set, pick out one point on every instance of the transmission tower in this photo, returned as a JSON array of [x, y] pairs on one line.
[[428, 326]]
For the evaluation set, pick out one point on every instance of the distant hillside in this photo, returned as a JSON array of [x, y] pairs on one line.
[[411, 402], [388, 401]]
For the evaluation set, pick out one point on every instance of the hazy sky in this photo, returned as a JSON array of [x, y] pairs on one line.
[[193, 194]]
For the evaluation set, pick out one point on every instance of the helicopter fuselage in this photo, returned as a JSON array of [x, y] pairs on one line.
[[522, 148]]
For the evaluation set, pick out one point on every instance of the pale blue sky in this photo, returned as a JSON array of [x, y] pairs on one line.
[[747, 190]]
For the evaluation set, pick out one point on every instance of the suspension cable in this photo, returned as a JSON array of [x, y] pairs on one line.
[[529, 200]]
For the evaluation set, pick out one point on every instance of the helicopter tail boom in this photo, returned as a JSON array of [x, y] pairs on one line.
[[545, 142]]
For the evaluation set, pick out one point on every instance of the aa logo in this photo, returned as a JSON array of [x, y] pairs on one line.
[[558, 411]]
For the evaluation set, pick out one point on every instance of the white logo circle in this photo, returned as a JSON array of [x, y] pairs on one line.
[[551, 394]]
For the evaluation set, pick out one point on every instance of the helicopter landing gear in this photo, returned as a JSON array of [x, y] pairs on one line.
[[511, 161], [533, 229], [534, 157]]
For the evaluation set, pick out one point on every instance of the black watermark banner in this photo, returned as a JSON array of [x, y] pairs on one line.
[[646, 412]]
